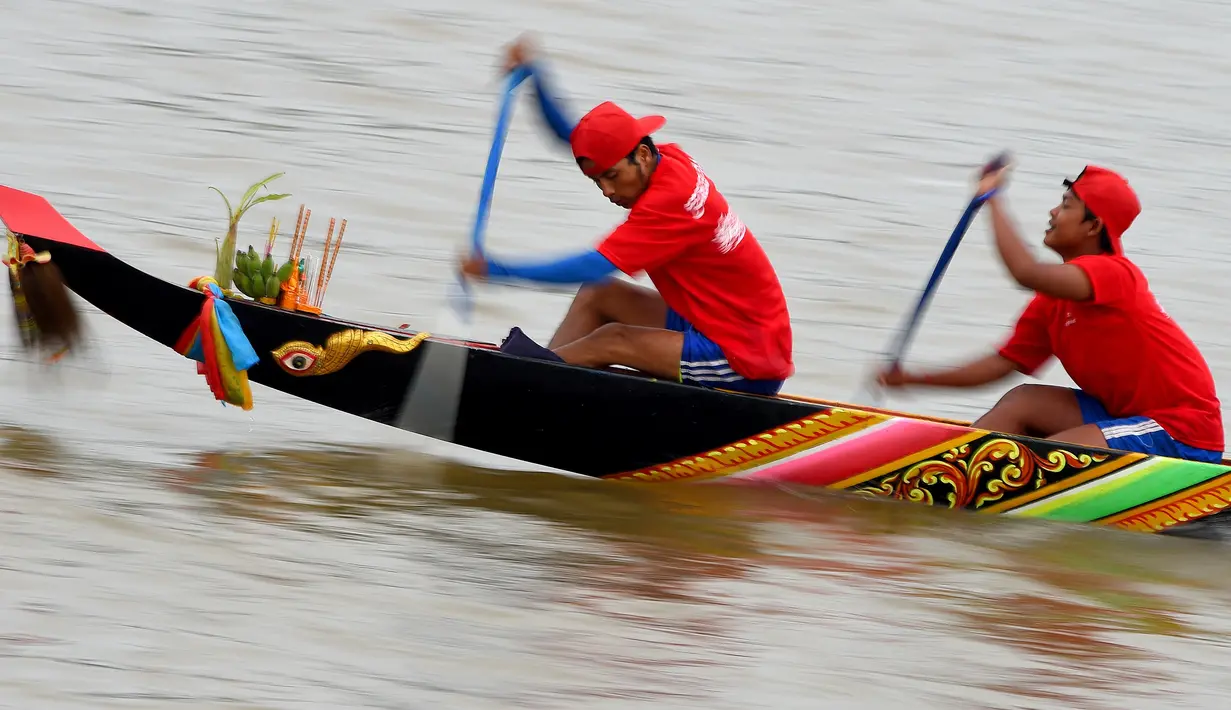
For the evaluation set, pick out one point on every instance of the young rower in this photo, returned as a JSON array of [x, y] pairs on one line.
[[1143, 384], [718, 317]]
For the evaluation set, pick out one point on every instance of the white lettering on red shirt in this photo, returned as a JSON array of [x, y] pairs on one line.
[[700, 193], [729, 232]]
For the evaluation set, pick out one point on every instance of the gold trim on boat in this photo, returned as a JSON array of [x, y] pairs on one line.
[[1201, 501], [760, 449], [1116, 464], [971, 476]]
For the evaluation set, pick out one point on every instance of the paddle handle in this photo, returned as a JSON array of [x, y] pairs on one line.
[[942, 264], [511, 82], [459, 297]]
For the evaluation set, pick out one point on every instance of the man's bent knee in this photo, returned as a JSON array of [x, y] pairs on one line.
[[615, 338], [1034, 410], [599, 295], [589, 293], [651, 350], [1024, 394], [617, 301], [608, 344]]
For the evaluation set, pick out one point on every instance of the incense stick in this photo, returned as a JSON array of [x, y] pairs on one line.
[[293, 253], [337, 247], [273, 236], [303, 234], [320, 275]]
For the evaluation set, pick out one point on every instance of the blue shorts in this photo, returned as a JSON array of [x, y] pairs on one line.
[[1139, 434], [703, 363]]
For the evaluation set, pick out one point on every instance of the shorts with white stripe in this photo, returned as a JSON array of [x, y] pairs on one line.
[[703, 363], [1139, 434]]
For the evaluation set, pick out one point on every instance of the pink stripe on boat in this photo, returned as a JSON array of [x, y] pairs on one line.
[[845, 458]]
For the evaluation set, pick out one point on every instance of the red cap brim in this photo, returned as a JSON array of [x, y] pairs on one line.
[[607, 134], [649, 124]]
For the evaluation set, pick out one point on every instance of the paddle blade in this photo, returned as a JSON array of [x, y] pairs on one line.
[[870, 392], [456, 319], [433, 398]]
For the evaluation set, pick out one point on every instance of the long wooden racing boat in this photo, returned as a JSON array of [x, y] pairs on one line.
[[625, 427]]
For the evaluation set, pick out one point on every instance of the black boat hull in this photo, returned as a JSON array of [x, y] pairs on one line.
[[608, 424]]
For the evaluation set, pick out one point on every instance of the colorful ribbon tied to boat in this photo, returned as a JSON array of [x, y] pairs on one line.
[[218, 344], [18, 255]]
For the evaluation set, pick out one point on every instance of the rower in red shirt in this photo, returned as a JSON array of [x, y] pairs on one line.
[[718, 317], [1143, 385]]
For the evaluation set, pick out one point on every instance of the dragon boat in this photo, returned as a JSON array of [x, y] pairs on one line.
[[605, 424]]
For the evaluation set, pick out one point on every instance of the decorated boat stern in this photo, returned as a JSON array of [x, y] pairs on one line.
[[953, 466], [45, 316]]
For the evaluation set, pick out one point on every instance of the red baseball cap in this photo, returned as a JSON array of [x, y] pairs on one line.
[[1108, 196], [608, 133]]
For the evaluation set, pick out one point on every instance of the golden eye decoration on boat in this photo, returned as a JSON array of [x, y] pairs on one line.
[[299, 359], [303, 359]]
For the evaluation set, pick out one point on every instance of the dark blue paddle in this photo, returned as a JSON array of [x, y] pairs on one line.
[[907, 331]]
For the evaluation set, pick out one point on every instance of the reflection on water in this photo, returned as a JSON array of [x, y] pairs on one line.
[[666, 594], [30, 452], [673, 536], [660, 541]]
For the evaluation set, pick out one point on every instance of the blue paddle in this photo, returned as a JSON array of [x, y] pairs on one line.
[[907, 332], [460, 299]]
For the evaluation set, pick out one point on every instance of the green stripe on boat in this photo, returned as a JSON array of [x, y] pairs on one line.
[[1141, 483]]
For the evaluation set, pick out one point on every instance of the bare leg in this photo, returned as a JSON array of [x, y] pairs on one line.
[[1084, 435], [613, 302], [1034, 410], [654, 351]]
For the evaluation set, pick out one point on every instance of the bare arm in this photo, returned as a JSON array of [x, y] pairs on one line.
[[1063, 281], [973, 374]]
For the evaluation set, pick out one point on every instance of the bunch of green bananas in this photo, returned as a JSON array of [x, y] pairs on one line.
[[256, 278]]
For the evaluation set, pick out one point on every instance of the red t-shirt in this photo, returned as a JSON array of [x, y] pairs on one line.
[[1121, 348], [707, 266]]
